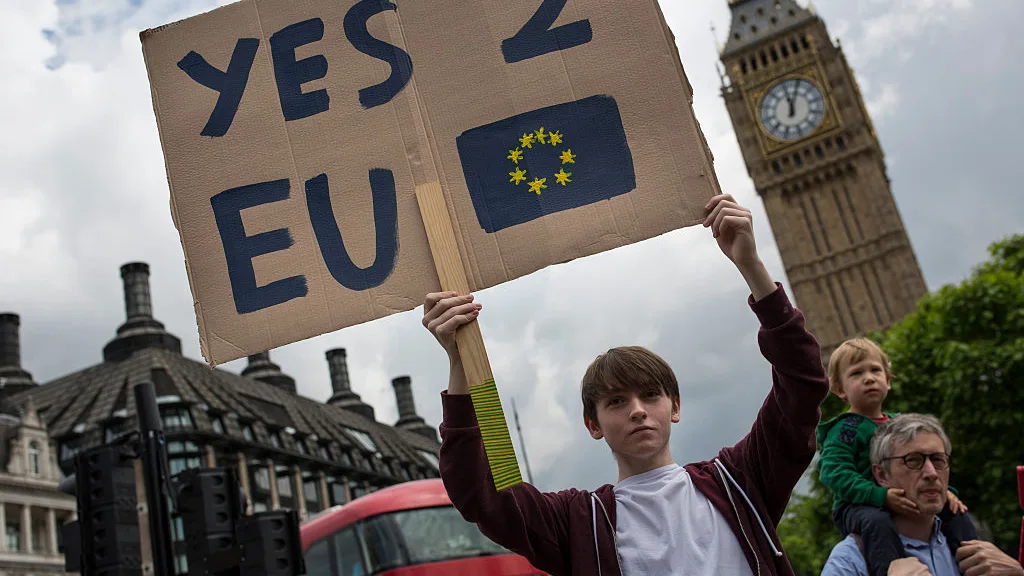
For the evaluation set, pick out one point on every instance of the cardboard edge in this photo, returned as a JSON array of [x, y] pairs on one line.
[[204, 346], [200, 321], [146, 33], [673, 50], [213, 360]]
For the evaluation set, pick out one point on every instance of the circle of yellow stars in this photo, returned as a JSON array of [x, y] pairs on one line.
[[540, 137]]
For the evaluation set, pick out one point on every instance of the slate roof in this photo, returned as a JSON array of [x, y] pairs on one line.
[[84, 408], [85, 403]]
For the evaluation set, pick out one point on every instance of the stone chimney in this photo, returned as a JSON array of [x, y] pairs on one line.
[[137, 303], [338, 365], [140, 330], [10, 343], [261, 368], [403, 395], [13, 378], [407, 417], [343, 396]]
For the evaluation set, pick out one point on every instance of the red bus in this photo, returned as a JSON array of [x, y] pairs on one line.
[[410, 529]]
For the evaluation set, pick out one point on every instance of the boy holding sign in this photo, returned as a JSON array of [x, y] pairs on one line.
[[713, 517]]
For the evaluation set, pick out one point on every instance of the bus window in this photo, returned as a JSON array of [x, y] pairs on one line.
[[424, 535], [383, 543], [433, 534], [349, 558], [318, 559], [336, 555]]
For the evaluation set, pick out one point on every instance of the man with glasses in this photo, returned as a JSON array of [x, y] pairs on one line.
[[912, 452]]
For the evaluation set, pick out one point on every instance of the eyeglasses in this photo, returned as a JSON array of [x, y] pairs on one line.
[[915, 460]]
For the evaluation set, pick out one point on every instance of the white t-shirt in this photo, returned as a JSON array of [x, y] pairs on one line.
[[665, 526]]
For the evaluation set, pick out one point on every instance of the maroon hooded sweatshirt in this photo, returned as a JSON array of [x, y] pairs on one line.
[[750, 483]]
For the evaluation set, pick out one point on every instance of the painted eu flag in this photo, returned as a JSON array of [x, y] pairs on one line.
[[545, 161]]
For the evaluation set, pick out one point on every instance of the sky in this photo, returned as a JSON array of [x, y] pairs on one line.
[[84, 191]]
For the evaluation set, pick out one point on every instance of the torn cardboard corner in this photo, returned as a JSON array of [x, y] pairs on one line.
[[295, 134]]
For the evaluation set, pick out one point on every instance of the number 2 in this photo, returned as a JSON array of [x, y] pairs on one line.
[[536, 37]]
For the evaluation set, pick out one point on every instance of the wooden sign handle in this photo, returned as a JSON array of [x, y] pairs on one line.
[[501, 454]]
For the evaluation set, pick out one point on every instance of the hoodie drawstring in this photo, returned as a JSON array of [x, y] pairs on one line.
[[615, 536], [721, 468], [593, 512]]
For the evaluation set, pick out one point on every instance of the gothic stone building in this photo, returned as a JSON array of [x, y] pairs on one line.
[[290, 451], [812, 152]]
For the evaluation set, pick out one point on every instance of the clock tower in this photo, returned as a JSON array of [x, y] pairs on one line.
[[812, 152]]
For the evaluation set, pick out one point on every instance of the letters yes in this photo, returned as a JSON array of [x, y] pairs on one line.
[[290, 73]]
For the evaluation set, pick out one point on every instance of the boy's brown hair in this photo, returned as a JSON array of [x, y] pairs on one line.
[[632, 368], [850, 352]]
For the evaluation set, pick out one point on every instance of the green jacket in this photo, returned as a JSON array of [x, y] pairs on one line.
[[845, 461]]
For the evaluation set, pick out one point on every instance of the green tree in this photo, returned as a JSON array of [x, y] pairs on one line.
[[959, 356], [807, 531]]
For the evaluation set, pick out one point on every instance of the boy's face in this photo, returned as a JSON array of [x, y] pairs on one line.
[[864, 383], [635, 424]]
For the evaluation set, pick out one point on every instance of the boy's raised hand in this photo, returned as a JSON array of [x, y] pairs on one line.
[[733, 227], [895, 501], [444, 312]]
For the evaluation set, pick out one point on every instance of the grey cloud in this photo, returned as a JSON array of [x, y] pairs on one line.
[[90, 30], [723, 382]]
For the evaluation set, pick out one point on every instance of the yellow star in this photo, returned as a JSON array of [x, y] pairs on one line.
[[541, 135], [537, 185], [556, 137], [526, 141], [518, 176], [562, 176], [568, 157], [515, 155]]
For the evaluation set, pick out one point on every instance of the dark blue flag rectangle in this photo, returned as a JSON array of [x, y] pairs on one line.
[[545, 161]]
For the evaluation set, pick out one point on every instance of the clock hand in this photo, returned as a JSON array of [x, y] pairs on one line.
[[792, 108]]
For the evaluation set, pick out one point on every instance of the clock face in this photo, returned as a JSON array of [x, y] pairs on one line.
[[792, 109]]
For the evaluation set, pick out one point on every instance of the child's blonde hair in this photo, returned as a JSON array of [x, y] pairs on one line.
[[850, 352]]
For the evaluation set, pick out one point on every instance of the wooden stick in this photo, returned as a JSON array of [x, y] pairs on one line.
[[501, 454]]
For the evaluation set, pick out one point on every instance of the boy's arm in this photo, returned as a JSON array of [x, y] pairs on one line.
[[522, 519], [838, 471], [781, 442]]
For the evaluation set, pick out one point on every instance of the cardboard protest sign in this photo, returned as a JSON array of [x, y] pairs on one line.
[[331, 162], [294, 134]]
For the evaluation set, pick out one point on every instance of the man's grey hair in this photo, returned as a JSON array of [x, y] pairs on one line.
[[903, 429]]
